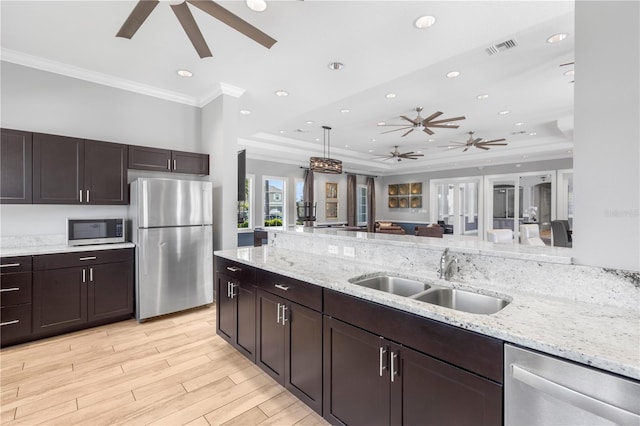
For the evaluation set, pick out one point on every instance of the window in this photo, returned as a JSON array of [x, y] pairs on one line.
[[299, 196], [245, 216], [274, 211], [361, 209]]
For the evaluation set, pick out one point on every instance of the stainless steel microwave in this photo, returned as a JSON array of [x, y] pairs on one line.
[[95, 231]]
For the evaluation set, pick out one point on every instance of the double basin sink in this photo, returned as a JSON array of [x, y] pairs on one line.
[[459, 300]]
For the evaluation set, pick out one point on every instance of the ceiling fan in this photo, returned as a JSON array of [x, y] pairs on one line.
[[477, 142], [143, 9], [424, 124], [396, 155]]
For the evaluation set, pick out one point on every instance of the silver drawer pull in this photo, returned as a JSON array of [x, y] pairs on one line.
[[9, 265], [9, 322], [88, 258], [233, 269], [282, 287], [10, 289]]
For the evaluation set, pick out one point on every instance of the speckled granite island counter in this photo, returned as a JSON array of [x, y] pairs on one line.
[[584, 314]]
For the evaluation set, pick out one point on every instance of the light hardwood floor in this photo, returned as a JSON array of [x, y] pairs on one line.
[[173, 370]]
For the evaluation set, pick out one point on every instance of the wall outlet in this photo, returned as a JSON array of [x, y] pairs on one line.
[[333, 249], [349, 251]]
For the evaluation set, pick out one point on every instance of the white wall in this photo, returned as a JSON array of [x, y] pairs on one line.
[[607, 149]]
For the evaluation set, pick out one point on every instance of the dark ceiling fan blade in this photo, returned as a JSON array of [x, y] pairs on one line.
[[408, 131], [427, 131], [447, 120], [235, 22], [444, 126], [432, 116], [191, 28], [136, 18], [568, 63], [395, 130], [494, 140], [408, 153], [475, 141], [482, 147], [465, 149], [408, 119], [410, 158], [403, 125]]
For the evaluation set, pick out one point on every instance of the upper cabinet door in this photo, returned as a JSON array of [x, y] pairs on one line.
[[105, 173], [58, 169], [190, 162], [15, 167], [146, 158]]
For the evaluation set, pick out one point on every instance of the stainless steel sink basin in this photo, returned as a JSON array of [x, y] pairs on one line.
[[461, 300], [393, 285]]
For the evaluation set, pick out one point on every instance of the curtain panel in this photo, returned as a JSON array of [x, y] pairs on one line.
[[352, 198], [371, 204]]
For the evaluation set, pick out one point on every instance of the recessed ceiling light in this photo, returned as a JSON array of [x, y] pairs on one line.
[[381, 123], [344, 111], [373, 140], [518, 165], [346, 146], [424, 22], [336, 66], [185, 73], [569, 152], [505, 112], [282, 93], [453, 74], [532, 133], [257, 5], [525, 156], [570, 73], [317, 139], [557, 37], [419, 152], [390, 95], [282, 131], [309, 121], [482, 96], [431, 140], [370, 150], [519, 123], [245, 112]]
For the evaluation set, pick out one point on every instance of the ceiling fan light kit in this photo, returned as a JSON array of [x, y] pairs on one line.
[[325, 164], [143, 9]]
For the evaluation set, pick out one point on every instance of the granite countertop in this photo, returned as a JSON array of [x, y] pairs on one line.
[[25, 246], [602, 336]]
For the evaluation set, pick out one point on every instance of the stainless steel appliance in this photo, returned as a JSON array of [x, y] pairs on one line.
[[172, 228], [544, 390], [95, 231]]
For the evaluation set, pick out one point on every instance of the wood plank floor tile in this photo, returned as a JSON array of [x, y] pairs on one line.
[[293, 414], [229, 412], [200, 421], [278, 403], [253, 416]]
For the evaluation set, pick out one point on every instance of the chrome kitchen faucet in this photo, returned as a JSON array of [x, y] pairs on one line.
[[446, 265]]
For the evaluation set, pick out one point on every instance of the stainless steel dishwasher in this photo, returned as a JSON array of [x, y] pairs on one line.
[[543, 390]]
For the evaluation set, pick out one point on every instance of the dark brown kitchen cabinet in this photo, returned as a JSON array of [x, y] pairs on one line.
[[15, 299], [81, 289], [236, 306], [165, 160], [76, 171], [371, 380], [289, 346], [15, 167]]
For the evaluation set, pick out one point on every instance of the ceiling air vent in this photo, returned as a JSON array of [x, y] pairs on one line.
[[501, 47]]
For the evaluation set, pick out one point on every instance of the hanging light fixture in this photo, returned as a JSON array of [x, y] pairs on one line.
[[326, 164]]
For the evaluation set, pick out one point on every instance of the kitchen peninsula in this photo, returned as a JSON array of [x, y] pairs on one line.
[[587, 315]]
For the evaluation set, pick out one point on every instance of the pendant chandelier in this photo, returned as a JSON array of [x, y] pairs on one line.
[[326, 164]]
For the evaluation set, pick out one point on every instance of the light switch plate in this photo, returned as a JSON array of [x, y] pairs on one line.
[[349, 251], [333, 249]]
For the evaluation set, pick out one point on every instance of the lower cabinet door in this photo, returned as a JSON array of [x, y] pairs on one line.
[[303, 361], [245, 340], [110, 290], [59, 299], [225, 309], [426, 391], [356, 378], [270, 335]]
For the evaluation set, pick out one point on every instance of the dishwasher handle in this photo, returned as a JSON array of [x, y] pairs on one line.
[[575, 398]]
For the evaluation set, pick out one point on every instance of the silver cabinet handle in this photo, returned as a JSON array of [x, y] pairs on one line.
[[278, 314], [87, 195], [88, 258], [84, 275], [9, 265], [91, 274], [81, 195], [393, 370], [6, 290], [175, 166], [382, 366], [228, 289], [233, 269], [232, 293], [168, 164], [284, 313], [588, 403], [282, 287], [9, 322]]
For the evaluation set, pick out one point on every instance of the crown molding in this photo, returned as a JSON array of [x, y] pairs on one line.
[[223, 89], [36, 62]]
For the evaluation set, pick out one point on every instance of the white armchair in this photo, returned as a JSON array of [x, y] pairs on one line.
[[530, 235], [500, 235]]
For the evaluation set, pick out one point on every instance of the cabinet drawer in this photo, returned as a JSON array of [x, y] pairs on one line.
[[306, 294], [15, 264], [15, 289], [80, 258], [442, 341], [15, 323], [235, 270]]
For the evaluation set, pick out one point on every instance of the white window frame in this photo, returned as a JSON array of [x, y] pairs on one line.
[[263, 214], [359, 204]]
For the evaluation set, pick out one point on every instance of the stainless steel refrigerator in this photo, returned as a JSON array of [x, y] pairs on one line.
[[171, 223]]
